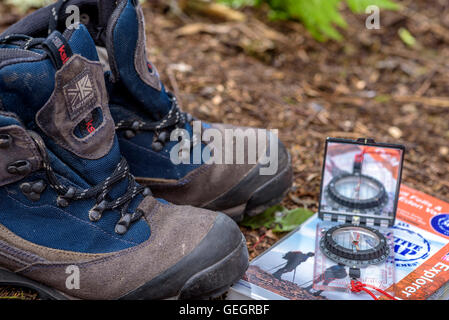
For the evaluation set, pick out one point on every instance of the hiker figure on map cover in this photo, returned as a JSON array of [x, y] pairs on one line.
[[335, 272], [294, 259]]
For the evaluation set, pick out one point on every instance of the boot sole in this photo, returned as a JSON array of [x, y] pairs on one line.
[[209, 283], [8, 278], [266, 196], [216, 280]]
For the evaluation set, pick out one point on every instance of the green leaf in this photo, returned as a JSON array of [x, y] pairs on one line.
[[359, 6], [239, 3], [290, 220], [265, 219], [278, 218], [407, 37]]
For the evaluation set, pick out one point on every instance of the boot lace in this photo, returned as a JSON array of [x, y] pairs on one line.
[[99, 192], [174, 119], [22, 41]]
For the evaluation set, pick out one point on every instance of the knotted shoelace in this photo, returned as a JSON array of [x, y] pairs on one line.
[[99, 192], [174, 119]]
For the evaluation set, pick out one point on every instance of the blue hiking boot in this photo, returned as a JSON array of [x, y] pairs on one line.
[[235, 177], [73, 221]]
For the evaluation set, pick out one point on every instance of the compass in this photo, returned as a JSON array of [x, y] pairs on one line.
[[357, 191], [354, 246]]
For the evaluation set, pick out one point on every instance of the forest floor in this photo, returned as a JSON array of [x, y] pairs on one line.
[[275, 75]]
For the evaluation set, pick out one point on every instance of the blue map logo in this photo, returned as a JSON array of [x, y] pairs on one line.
[[409, 246], [440, 224]]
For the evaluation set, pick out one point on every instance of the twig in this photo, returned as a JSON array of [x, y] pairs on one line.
[[258, 241], [426, 84], [177, 11], [212, 9], [174, 84], [309, 120], [441, 102], [437, 29]]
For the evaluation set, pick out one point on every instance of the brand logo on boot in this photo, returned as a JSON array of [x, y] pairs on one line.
[[61, 49], [79, 92], [63, 54]]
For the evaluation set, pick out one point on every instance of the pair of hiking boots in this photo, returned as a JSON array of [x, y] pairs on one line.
[[76, 131]]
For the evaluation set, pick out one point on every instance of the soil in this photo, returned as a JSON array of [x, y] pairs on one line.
[[275, 75]]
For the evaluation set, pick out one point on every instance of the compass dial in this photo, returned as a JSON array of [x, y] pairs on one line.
[[357, 187], [356, 240], [357, 191], [354, 245]]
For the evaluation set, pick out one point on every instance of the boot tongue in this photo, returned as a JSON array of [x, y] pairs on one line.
[[76, 117], [125, 41]]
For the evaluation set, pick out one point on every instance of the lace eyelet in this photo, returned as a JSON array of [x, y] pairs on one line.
[[129, 134], [146, 192], [21, 167], [5, 141], [135, 125], [97, 211], [157, 146], [162, 137], [61, 202], [33, 190], [123, 225]]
